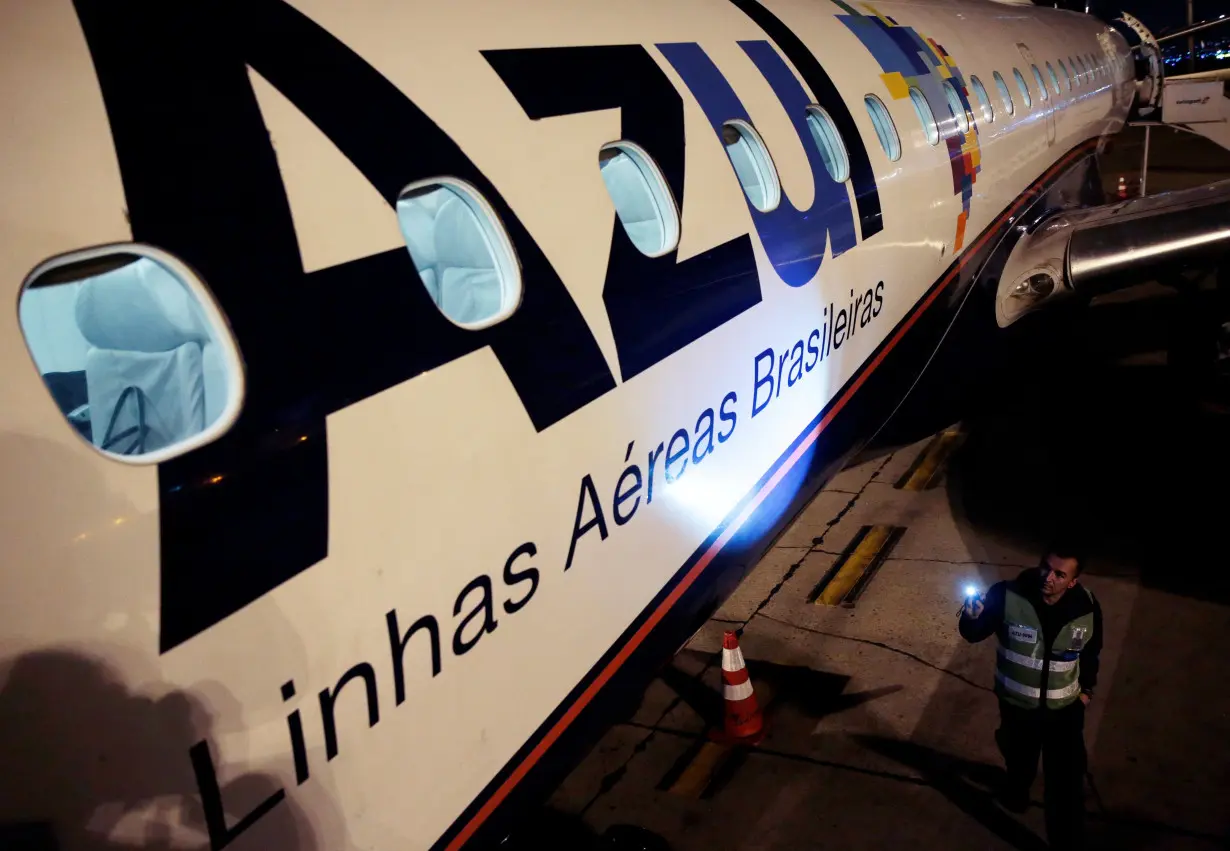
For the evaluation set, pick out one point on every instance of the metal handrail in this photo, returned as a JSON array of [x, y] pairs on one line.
[[1193, 29]]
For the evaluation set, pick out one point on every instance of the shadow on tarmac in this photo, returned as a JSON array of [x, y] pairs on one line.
[[1119, 457], [967, 785], [814, 694]]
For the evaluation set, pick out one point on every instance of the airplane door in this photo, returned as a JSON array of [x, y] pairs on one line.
[[1047, 105]]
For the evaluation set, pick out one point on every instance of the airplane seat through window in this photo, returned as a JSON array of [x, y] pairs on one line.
[[461, 252], [144, 371], [417, 217], [468, 279], [634, 202], [755, 170], [745, 167]]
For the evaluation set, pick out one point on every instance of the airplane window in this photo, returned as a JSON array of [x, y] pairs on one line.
[[1093, 66], [752, 164], [1078, 76], [1004, 94], [1020, 83], [955, 106], [1065, 75], [828, 140], [885, 129], [463, 255], [643, 202], [1038, 80], [984, 102], [1054, 79], [925, 116], [133, 351]]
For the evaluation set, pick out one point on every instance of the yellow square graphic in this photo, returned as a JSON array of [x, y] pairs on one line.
[[897, 86]]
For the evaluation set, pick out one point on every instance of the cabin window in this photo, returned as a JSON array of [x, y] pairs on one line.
[[643, 202], [886, 130], [984, 101], [1093, 66], [462, 253], [1078, 76], [925, 116], [753, 165], [828, 140], [1054, 79], [955, 106], [1020, 84], [1041, 85], [133, 350], [1065, 75], [1004, 94]]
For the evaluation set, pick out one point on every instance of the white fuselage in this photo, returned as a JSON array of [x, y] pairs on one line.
[[438, 480]]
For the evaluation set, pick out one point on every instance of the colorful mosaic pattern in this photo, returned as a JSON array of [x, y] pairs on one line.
[[909, 59]]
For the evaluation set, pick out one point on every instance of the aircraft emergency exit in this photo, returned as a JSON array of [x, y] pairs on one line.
[[389, 388]]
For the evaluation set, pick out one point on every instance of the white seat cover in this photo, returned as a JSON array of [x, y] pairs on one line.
[[145, 365]]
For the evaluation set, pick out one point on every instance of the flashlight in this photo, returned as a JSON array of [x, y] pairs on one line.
[[971, 593]]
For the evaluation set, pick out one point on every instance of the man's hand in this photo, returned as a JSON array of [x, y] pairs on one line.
[[973, 607], [1085, 698]]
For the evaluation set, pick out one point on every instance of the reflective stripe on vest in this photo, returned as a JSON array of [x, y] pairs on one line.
[[1020, 663]]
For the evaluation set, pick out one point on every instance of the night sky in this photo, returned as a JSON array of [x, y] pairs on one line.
[[1158, 15]]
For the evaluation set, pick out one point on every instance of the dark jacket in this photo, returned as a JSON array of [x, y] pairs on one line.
[[1073, 604]]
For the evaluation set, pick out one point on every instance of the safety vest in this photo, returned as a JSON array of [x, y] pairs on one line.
[[1023, 669]]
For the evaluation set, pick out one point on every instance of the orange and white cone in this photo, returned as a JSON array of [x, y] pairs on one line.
[[1122, 187], [744, 722]]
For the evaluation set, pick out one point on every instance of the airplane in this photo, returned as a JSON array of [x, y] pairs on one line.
[[392, 389]]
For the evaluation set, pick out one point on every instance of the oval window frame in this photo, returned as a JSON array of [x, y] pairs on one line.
[[833, 137], [1050, 69], [1024, 87], [752, 135], [232, 355], [1041, 83], [984, 99], [955, 106], [661, 194], [1005, 93], [486, 214], [926, 116], [873, 104]]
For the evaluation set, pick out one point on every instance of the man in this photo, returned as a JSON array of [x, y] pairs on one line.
[[1050, 635]]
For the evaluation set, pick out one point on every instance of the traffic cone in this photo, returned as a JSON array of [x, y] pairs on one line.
[[744, 721], [1122, 187]]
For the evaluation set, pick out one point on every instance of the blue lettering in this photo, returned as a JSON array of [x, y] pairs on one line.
[[758, 406], [812, 349], [728, 416], [796, 366], [706, 417], [794, 240], [672, 456]]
